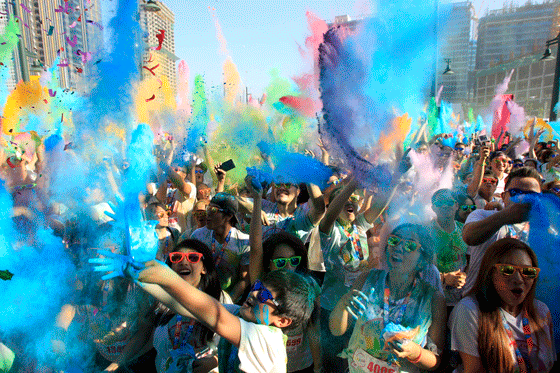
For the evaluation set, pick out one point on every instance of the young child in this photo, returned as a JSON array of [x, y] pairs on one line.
[[252, 339]]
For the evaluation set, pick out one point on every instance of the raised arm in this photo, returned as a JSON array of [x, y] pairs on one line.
[[336, 206], [203, 307], [478, 232], [317, 209], [255, 234], [478, 173]]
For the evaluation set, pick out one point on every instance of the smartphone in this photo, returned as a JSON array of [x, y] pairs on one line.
[[227, 165], [482, 138]]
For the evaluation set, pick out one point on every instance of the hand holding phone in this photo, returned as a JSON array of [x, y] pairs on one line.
[[227, 165]]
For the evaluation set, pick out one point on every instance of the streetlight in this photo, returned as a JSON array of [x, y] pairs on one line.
[[448, 70], [151, 6], [547, 56]]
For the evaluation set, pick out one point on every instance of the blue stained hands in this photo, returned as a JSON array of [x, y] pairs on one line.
[[117, 265], [141, 243], [357, 302]]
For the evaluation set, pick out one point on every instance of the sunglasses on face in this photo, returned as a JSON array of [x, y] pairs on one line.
[[160, 215], [214, 209], [263, 294], [198, 171], [199, 213], [468, 207], [177, 257], [409, 245], [517, 165], [354, 199], [555, 190], [507, 270], [284, 185], [500, 161], [490, 180], [516, 192], [281, 262], [459, 149]]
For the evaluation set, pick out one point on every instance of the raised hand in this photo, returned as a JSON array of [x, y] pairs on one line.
[[117, 265]]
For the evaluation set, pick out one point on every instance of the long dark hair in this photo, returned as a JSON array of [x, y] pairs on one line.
[[493, 346], [209, 282]]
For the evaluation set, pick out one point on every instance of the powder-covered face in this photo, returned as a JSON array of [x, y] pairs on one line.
[[398, 257], [254, 311]]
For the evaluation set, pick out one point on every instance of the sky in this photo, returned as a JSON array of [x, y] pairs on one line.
[[261, 34]]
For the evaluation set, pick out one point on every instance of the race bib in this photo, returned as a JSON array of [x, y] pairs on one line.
[[369, 364], [294, 342]]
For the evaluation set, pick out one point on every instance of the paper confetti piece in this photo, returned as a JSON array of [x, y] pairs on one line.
[[151, 98], [72, 42], [26, 8], [160, 37], [152, 69]]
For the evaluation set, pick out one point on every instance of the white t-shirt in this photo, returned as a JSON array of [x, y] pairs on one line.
[[298, 224], [180, 205], [262, 349], [464, 333], [477, 252], [228, 256]]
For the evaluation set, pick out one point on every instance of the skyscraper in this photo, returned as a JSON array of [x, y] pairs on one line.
[[457, 38], [69, 30], [158, 21], [512, 32]]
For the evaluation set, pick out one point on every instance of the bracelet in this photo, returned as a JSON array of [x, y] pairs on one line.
[[417, 360]]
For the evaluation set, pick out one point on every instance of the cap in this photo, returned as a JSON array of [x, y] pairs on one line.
[[228, 203]]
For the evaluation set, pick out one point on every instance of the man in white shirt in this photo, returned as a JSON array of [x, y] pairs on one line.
[[484, 227]]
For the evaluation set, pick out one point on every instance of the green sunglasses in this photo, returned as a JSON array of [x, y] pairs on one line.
[[467, 207], [281, 262], [409, 245]]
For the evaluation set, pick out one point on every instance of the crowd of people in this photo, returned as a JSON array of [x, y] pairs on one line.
[[287, 277]]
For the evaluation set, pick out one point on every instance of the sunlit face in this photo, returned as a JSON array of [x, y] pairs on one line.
[[159, 214], [398, 257], [285, 193], [198, 175], [203, 193], [199, 213], [513, 289], [282, 251], [499, 164], [488, 186], [190, 272]]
